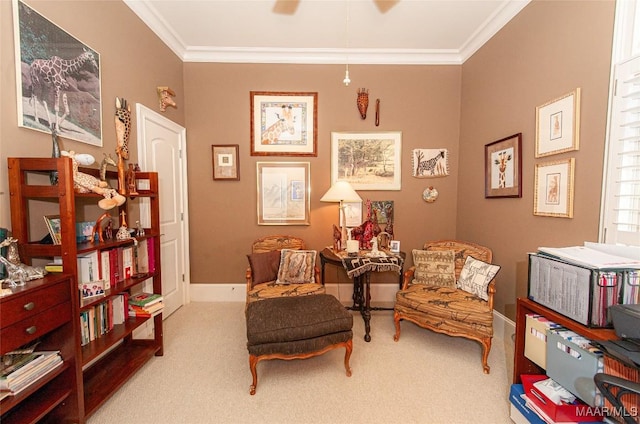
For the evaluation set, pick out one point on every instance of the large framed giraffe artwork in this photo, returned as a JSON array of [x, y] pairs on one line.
[[503, 167], [284, 123], [58, 83], [367, 160], [284, 190], [553, 188]]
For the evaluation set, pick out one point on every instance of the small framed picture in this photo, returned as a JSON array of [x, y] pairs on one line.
[[558, 125], [553, 184], [225, 162], [503, 167], [394, 246]]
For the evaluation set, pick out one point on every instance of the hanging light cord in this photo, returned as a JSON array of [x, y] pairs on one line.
[[347, 80]]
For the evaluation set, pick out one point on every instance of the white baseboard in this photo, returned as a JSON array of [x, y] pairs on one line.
[[381, 295]]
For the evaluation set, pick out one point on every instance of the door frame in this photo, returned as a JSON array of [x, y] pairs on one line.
[[144, 114]]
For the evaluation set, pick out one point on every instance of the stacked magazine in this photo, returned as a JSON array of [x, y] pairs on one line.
[[20, 370]]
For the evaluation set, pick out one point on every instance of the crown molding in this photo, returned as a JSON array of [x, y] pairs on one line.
[[491, 26]]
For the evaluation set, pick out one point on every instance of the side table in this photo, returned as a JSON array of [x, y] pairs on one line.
[[361, 285]]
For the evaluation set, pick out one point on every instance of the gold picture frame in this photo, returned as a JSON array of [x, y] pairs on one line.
[[284, 190], [284, 123], [554, 186], [558, 125], [225, 162]]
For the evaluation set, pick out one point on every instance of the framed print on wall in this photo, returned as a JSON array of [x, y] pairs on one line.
[[367, 160], [225, 162], [283, 193], [353, 214], [558, 125], [58, 84], [553, 195], [503, 167], [284, 124]]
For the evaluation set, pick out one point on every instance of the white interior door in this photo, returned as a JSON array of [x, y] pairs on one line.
[[161, 147]]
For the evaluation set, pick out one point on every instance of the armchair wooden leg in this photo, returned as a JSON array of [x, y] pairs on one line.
[[486, 347], [396, 321], [347, 354], [253, 362]]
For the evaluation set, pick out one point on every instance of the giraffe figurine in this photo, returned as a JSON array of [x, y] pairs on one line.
[[123, 129], [106, 161], [285, 123], [501, 162], [52, 73]]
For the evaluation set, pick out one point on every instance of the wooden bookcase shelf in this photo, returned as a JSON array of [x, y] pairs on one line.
[[91, 373]]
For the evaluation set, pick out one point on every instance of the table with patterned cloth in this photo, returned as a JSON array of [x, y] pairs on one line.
[[359, 269]]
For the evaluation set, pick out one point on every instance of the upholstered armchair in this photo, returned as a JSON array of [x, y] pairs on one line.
[[269, 271], [450, 290]]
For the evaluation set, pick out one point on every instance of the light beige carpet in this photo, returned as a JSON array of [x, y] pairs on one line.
[[204, 377]]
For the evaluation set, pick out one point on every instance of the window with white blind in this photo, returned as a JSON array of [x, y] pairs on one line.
[[622, 200], [620, 218]]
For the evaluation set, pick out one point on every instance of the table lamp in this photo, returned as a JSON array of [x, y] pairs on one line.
[[341, 192]]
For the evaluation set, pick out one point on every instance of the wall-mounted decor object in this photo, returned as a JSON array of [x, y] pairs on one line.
[[226, 165], [384, 210], [426, 163], [363, 102], [283, 193], [367, 160], [284, 124], [353, 214], [553, 195], [503, 167], [430, 194], [377, 112], [558, 125], [164, 96], [49, 61]]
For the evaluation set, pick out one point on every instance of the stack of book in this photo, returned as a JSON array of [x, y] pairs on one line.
[[26, 368], [98, 320], [145, 304]]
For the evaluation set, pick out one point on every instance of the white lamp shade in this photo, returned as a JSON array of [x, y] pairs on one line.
[[341, 191]]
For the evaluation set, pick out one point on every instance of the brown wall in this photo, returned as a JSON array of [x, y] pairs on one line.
[[422, 102], [548, 50], [133, 63]]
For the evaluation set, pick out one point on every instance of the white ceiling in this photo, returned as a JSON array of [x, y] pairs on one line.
[[249, 31]]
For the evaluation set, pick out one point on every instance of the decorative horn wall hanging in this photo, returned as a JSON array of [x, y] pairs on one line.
[[363, 102], [377, 112]]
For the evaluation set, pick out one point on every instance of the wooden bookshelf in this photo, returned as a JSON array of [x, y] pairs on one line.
[[94, 371]]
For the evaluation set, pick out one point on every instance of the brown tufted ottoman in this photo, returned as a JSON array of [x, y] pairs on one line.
[[297, 328]]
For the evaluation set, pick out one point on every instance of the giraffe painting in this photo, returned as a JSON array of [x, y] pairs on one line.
[[437, 164], [50, 75], [501, 162], [285, 123]]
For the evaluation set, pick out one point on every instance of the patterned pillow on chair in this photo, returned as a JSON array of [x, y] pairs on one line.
[[297, 267], [476, 276], [435, 268]]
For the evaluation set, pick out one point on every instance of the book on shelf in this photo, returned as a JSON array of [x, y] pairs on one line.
[[33, 367], [144, 299], [88, 269], [53, 225], [51, 267], [145, 311], [127, 261], [100, 319]]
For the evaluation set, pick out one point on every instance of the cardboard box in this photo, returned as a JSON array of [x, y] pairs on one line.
[[579, 412], [580, 293], [520, 413], [535, 338], [572, 363]]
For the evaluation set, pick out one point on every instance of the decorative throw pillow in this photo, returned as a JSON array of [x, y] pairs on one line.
[[296, 266], [264, 266], [476, 276], [435, 268]]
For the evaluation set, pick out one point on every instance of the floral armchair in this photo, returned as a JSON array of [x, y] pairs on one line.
[[450, 290], [270, 274]]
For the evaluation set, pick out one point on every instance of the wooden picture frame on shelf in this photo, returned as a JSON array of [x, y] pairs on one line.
[[225, 162], [503, 167], [284, 123], [553, 195], [283, 193], [558, 125]]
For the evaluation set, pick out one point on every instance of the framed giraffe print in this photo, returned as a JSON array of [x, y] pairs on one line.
[[284, 123], [558, 125], [553, 188], [367, 160], [503, 167], [58, 84]]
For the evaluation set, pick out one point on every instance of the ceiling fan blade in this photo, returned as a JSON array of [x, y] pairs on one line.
[[285, 7], [385, 5]]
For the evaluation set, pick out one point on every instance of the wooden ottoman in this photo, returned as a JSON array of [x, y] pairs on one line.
[[297, 328]]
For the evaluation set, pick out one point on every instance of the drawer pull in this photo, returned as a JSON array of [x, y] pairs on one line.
[[31, 330], [29, 306]]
